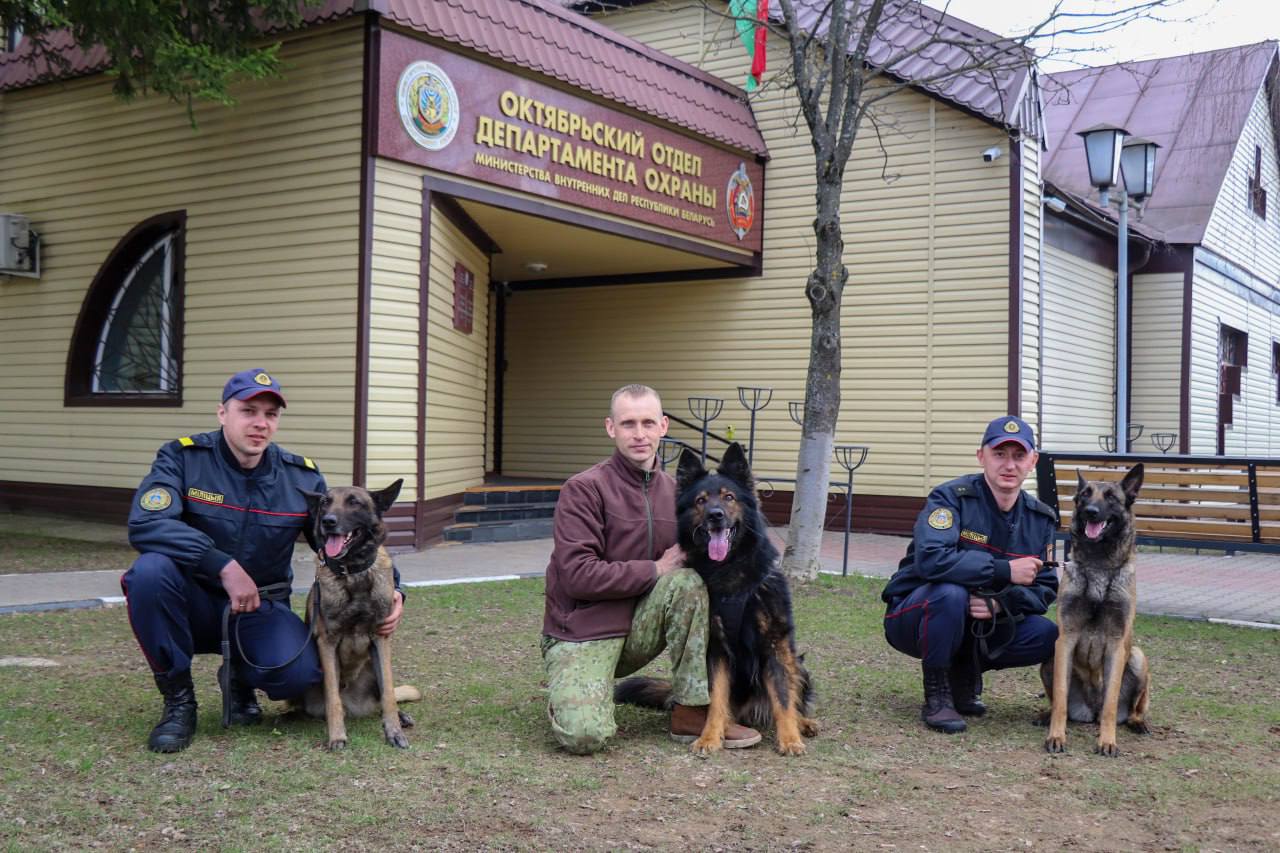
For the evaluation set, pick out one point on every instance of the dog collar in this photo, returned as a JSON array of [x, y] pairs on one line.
[[336, 567]]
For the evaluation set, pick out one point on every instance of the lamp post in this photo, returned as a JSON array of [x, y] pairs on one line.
[[1114, 157]]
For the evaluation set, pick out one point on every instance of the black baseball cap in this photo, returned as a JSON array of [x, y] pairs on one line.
[[251, 383], [1009, 428]]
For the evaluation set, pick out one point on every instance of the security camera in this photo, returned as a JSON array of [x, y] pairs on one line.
[[991, 153]]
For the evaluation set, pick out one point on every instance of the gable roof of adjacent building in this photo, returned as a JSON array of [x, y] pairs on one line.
[[1194, 106], [538, 35]]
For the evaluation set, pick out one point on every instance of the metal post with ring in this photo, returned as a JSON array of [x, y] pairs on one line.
[[756, 395], [850, 457], [705, 410]]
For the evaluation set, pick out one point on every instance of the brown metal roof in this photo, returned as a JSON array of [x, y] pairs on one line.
[[928, 49], [542, 36], [1194, 106], [537, 35]]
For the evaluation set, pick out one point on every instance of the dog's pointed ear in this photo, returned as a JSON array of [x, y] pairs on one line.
[[1131, 483], [689, 470], [309, 529], [1081, 482], [384, 499], [734, 466]]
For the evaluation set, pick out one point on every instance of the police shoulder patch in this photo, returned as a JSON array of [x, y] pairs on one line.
[[187, 441], [154, 500], [941, 519], [300, 461]]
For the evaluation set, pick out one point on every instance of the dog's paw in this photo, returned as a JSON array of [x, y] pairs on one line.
[[1055, 744], [1138, 727], [405, 720], [397, 739], [336, 745], [1107, 748], [791, 747], [704, 746], [809, 727]]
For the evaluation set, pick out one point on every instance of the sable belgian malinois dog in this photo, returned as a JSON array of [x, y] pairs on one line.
[[756, 676], [352, 595], [1097, 674]]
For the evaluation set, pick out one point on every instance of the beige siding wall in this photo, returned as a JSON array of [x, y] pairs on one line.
[[457, 367], [393, 343], [925, 317], [271, 191], [1079, 352], [1033, 217], [1155, 366], [1217, 301], [1234, 230], [458, 385]]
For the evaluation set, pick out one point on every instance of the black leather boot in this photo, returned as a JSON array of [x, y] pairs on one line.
[[938, 712], [245, 710], [178, 724], [966, 689]]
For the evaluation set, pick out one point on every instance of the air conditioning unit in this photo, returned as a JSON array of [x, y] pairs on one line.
[[19, 247]]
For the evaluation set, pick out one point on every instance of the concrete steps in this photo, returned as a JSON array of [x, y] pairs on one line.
[[504, 514]]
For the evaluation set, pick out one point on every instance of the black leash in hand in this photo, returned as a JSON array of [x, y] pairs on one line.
[[272, 592]]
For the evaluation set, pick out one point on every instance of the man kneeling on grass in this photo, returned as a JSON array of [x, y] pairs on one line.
[[616, 592]]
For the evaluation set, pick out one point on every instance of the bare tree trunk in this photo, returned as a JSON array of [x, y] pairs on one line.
[[822, 390]]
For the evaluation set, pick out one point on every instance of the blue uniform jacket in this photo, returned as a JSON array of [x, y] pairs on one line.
[[962, 537], [198, 507]]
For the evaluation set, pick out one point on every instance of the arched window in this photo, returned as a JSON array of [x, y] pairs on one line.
[[127, 346]]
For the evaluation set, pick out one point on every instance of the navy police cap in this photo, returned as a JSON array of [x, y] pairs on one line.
[[250, 383], [1009, 428]]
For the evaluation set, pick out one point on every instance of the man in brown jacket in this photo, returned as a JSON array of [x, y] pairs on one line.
[[617, 594]]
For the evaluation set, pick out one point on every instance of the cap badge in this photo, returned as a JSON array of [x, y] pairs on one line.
[[264, 379], [1011, 426], [941, 519], [154, 500]]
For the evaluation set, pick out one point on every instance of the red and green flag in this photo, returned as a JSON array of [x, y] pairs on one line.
[[750, 17]]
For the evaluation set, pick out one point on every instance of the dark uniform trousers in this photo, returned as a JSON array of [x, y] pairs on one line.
[[175, 618], [933, 624]]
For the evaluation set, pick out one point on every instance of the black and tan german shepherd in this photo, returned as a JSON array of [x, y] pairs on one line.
[[353, 594], [1097, 674], [755, 674]]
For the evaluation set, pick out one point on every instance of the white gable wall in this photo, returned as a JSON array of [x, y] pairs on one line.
[[1235, 232]]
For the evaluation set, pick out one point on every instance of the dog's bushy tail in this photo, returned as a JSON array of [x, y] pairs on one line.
[[645, 692]]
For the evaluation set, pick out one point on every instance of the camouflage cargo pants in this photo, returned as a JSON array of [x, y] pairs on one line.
[[673, 615]]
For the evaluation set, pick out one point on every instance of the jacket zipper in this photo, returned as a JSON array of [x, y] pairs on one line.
[[648, 510]]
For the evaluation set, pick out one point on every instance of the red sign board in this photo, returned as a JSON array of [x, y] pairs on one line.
[[464, 117]]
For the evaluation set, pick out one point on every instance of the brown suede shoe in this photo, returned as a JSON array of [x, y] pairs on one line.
[[687, 722]]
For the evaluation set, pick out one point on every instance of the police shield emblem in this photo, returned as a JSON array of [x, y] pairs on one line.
[[154, 500], [428, 105], [1011, 426], [941, 519], [740, 202]]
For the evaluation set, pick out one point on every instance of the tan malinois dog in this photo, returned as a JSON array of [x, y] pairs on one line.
[[1097, 674]]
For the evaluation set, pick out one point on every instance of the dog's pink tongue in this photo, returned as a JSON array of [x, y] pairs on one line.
[[333, 545], [718, 547], [1093, 529]]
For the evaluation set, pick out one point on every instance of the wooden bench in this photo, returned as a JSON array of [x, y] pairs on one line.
[[1224, 503]]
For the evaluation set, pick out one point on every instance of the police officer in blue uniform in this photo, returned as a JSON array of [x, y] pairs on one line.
[[971, 592], [215, 522]]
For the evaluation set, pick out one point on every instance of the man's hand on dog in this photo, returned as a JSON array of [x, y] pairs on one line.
[[671, 559], [241, 589], [388, 626], [1023, 570]]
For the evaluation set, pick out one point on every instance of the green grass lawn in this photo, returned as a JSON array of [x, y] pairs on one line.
[[483, 771]]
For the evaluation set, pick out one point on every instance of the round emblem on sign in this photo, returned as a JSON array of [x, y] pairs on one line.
[[262, 379], [740, 202], [428, 105], [154, 500], [941, 519], [1011, 426]]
